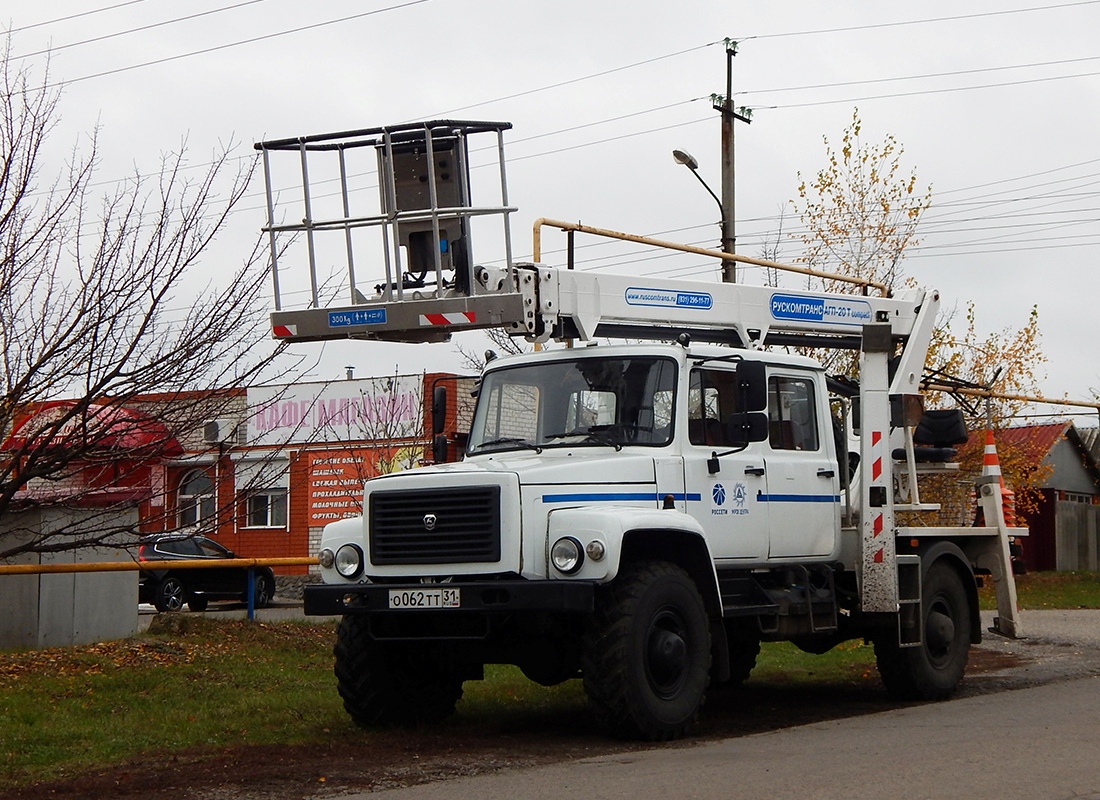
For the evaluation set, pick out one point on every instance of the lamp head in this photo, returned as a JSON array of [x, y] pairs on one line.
[[687, 159]]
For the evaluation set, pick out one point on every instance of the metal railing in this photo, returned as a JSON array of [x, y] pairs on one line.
[[136, 566]]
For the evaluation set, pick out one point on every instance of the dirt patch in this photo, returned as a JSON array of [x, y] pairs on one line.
[[462, 747]]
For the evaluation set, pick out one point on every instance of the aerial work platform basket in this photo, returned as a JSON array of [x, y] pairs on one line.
[[421, 217]]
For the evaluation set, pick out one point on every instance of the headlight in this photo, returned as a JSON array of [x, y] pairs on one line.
[[567, 555], [326, 558], [349, 561]]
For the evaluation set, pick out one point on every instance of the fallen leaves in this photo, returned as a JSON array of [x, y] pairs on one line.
[[95, 659]]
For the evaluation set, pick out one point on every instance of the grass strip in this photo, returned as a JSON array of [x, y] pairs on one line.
[[195, 682]]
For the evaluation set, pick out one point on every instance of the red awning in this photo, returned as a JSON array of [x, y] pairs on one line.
[[100, 427]]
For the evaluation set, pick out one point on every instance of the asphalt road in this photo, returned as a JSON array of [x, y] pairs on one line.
[[1029, 733], [1041, 743]]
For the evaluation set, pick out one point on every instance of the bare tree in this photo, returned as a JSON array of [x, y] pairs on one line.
[[384, 434], [772, 250], [505, 345], [103, 302]]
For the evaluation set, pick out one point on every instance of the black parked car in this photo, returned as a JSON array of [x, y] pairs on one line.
[[169, 589]]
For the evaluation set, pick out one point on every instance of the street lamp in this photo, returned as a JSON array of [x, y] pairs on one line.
[[724, 105], [688, 160]]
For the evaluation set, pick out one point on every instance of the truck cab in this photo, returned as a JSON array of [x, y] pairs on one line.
[[726, 447]]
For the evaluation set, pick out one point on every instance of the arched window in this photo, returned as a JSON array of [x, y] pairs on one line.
[[196, 498]]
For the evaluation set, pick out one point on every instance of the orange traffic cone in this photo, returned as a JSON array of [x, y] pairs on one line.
[[991, 465]]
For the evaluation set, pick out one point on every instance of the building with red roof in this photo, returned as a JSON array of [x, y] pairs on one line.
[[1064, 520]]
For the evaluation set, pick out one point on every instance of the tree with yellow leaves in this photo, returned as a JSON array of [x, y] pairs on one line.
[[1006, 363], [860, 216], [860, 213]]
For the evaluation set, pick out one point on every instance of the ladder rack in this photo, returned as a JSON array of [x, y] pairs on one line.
[[420, 213], [433, 287]]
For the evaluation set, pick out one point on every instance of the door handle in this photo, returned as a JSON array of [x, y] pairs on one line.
[[754, 470], [825, 473]]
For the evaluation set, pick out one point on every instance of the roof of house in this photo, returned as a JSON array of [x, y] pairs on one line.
[[1040, 438], [1091, 438]]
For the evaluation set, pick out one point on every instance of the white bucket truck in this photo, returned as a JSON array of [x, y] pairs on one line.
[[641, 516]]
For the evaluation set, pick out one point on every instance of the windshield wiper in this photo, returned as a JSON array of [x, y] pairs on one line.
[[589, 436], [511, 440]]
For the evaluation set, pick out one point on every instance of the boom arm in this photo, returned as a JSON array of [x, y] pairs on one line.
[[542, 302]]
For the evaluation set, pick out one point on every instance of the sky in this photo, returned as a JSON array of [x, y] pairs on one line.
[[996, 103]]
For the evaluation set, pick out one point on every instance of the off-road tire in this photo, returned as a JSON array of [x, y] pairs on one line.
[[933, 670], [743, 653], [391, 682], [646, 658]]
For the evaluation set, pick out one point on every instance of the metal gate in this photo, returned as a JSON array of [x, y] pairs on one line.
[[1076, 536]]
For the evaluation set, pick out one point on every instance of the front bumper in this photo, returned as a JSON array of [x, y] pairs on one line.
[[494, 597]]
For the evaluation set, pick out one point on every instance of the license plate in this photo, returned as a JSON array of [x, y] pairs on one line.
[[424, 598]]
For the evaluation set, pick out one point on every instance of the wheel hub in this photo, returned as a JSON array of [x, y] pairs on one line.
[[939, 633], [666, 657]]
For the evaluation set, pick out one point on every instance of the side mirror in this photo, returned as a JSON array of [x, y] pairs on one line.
[[752, 380], [439, 449], [743, 428], [439, 410]]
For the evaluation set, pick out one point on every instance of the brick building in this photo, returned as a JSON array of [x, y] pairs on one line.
[[263, 470]]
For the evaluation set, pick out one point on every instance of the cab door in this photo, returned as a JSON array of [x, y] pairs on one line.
[[803, 484], [727, 503]]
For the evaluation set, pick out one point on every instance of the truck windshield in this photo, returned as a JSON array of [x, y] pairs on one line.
[[591, 401]]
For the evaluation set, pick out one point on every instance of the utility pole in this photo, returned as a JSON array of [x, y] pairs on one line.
[[724, 105]]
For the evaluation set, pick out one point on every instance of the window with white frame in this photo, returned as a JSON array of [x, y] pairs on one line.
[[267, 509], [263, 484], [196, 501]]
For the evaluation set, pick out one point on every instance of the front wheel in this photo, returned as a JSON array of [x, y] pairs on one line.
[[391, 682], [934, 669], [646, 658]]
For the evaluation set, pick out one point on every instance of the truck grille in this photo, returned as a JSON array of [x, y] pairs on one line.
[[435, 526]]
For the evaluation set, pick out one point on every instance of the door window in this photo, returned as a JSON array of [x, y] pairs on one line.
[[792, 414], [712, 399]]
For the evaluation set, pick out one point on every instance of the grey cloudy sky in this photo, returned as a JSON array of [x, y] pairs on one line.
[[997, 104]]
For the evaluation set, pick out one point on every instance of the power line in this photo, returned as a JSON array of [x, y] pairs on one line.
[[574, 81], [925, 76], [151, 26], [875, 26], [1039, 244], [641, 63], [238, 43], [917, 93], [1022, 177], [74, 16]]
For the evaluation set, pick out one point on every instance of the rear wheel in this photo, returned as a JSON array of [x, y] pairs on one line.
[[933, 670], [169, 595], [391, 682], [647, 656], [262, 591], [197, 603]]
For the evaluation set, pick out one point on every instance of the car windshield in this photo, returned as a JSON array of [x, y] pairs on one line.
[[591, 401]]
